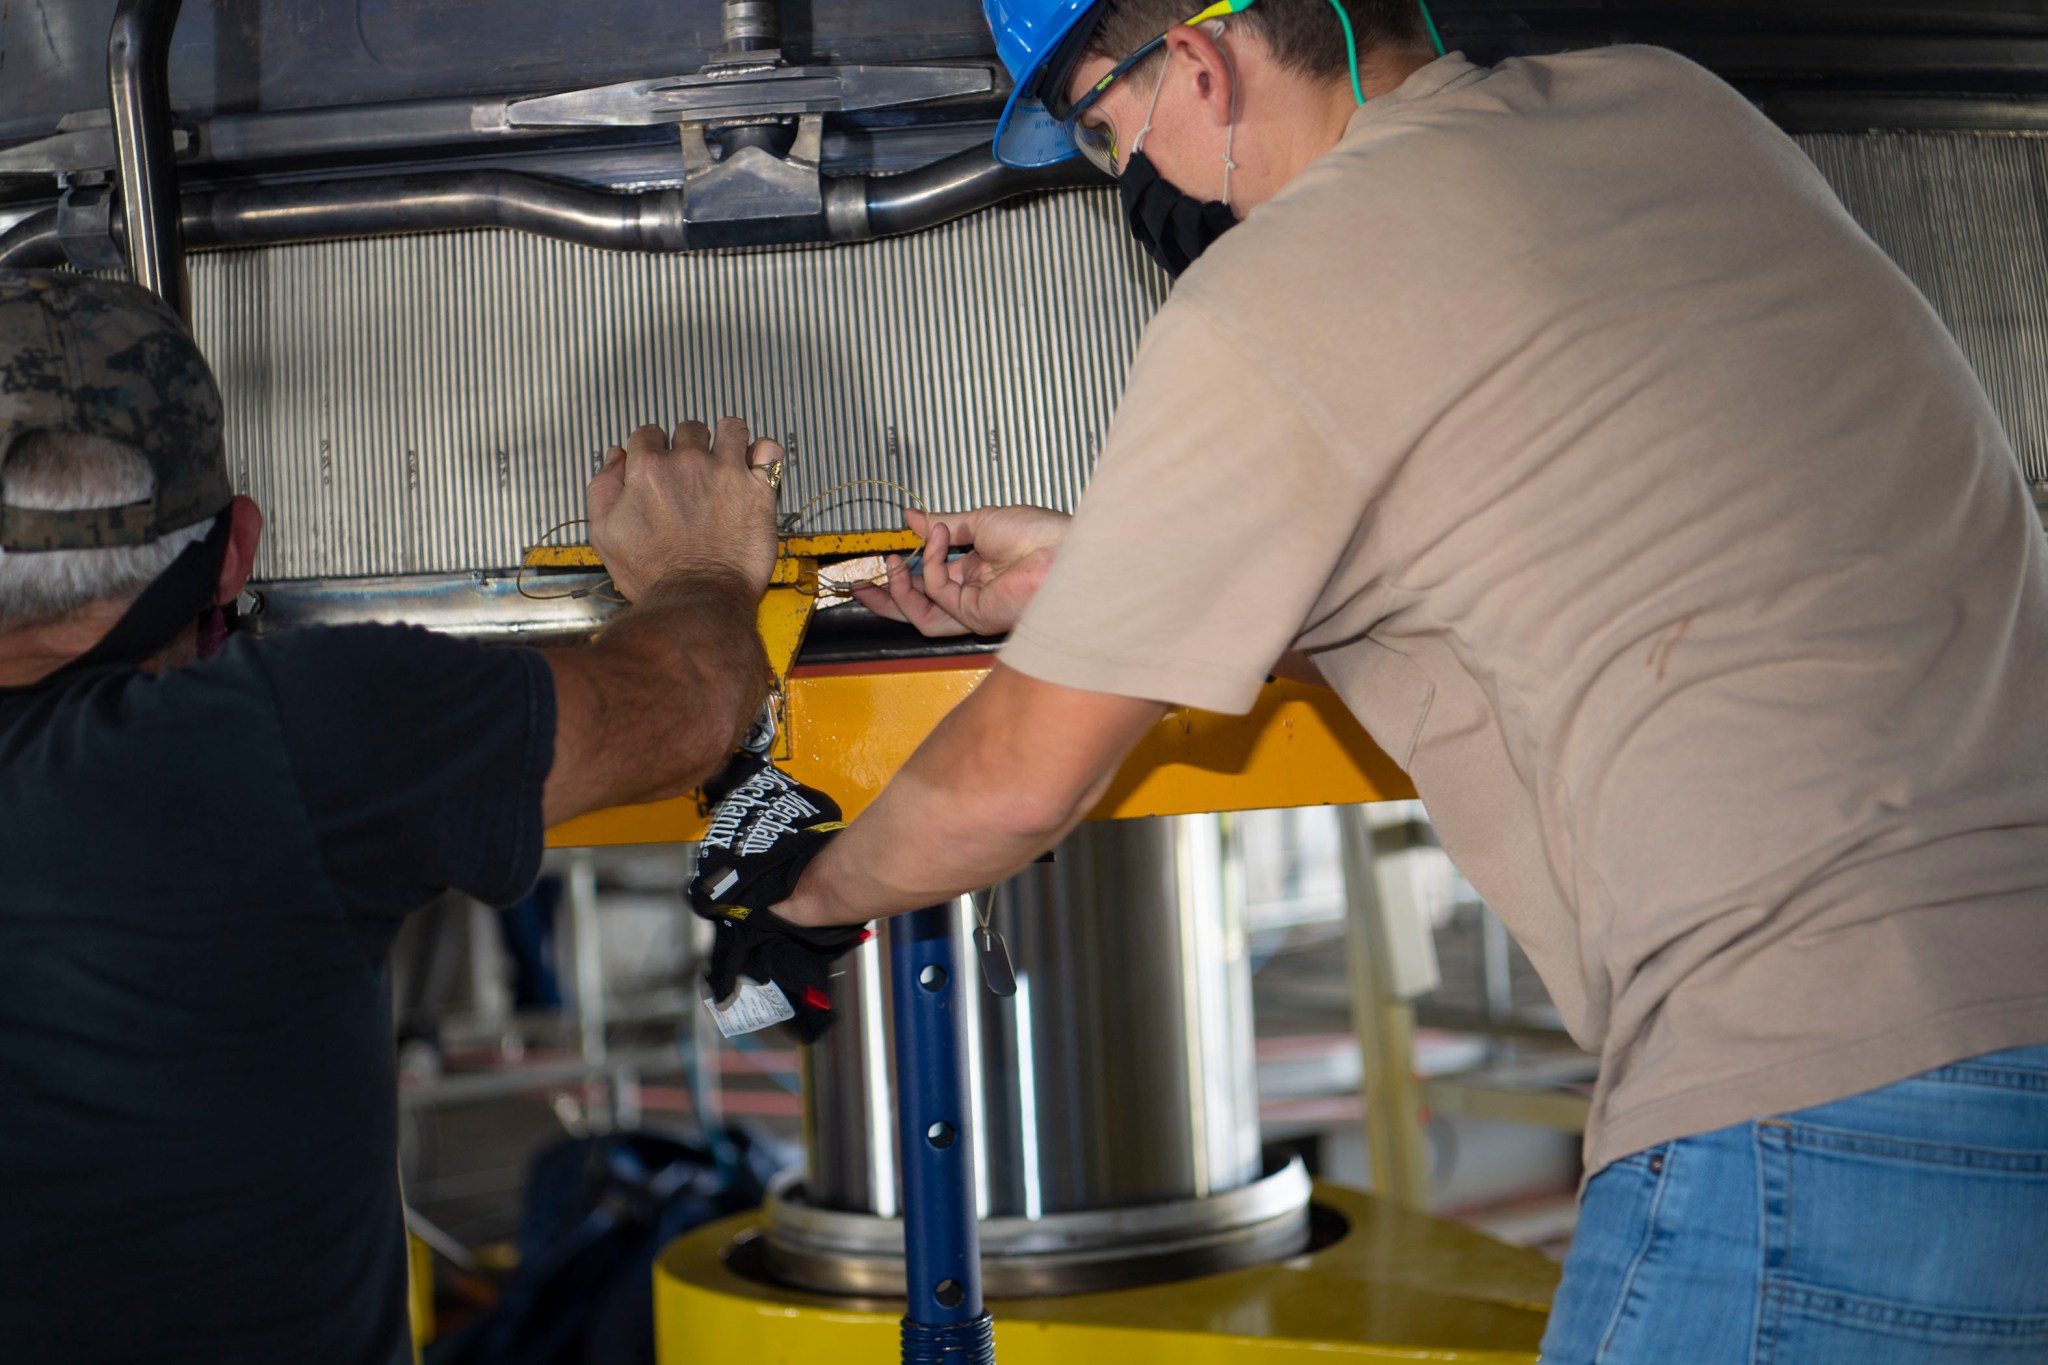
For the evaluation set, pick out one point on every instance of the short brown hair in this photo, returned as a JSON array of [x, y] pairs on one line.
[[1302, 35]]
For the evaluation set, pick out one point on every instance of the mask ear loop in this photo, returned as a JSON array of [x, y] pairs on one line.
[[1230, 133], [1138, 142]]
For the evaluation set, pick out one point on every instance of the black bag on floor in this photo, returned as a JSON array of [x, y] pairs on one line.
[[598, 1211]]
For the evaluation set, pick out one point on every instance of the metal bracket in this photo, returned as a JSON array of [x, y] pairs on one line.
[[747, 88], [85, 227], [750, 183], [83, 142]]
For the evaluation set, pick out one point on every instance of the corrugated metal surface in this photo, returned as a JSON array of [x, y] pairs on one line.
[[432, 404], [1966, 215]]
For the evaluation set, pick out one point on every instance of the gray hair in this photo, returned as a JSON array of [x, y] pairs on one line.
[[61, 471]]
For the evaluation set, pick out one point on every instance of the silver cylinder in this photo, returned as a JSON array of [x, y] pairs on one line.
[[751, 25], [1119, 1076]]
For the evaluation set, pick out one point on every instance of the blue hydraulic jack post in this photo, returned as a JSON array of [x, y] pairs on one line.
[[946, 1323]]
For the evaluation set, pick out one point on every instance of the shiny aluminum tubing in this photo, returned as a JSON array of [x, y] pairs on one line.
[[859, 208], [955, 185], [138, 85], [439, 202]]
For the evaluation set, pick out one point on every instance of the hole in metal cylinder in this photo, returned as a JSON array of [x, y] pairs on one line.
[[949, 1293], [940, 1135], [932, 978]]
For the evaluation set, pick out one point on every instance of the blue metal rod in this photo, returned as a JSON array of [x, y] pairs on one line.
[[946, 1322]]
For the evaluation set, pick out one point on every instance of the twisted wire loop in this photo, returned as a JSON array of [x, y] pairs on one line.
[[822, 588]]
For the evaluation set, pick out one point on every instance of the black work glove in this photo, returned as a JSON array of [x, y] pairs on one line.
[[765, 829]]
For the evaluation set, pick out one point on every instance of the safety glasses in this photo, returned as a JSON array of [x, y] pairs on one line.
[[1097, 140]]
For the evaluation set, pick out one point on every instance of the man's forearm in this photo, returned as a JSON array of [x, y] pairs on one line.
[[690, 674], [925, 841], [1003, 778], [656, 703]]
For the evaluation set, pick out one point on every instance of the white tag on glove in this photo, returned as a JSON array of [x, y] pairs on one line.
[[751, 1009]]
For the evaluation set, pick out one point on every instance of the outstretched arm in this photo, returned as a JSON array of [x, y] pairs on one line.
[[1003, 778]]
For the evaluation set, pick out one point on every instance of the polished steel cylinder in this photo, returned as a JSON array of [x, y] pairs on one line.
[[752, 25], [1120, 1073]]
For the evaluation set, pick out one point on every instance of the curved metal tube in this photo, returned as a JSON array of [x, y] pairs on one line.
[[32, 244], [653, 220], [958, 185], [138, 87], [448, 201]]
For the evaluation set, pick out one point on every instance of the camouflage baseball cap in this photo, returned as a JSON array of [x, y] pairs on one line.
[[104, 358]]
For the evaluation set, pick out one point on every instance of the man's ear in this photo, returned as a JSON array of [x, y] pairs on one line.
[[1203, 62], [245, 533]]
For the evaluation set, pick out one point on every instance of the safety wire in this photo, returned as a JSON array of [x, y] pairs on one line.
[[599, 591], [793, 524], [607, 590]]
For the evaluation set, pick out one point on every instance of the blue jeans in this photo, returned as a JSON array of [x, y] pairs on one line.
[[1908, 1224]]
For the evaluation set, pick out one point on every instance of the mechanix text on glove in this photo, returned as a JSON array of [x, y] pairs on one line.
[[765, 829]]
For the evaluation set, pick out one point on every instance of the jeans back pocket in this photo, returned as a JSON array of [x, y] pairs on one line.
[[1881, 1248]]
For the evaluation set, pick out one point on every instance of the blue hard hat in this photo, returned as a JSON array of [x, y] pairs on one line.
[[1035, 39]]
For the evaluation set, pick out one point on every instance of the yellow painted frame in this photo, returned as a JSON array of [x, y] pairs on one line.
[[848, 732], [1398, 1287], [846, 729]]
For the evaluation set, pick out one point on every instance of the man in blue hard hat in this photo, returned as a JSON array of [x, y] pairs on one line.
[[1647, 514]]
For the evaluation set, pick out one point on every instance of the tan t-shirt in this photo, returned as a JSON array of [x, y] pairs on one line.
[[1643, 509]]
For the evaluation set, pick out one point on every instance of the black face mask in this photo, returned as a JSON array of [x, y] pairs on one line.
[[1173, 226]]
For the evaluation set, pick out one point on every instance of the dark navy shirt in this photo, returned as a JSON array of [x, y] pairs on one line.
[[201, 875]]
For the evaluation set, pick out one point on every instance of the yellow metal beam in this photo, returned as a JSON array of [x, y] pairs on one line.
[[850, 727], [836, 545], [847, 729]]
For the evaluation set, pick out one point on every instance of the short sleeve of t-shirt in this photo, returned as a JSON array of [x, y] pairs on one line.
[[420, 760], [1212, 524]]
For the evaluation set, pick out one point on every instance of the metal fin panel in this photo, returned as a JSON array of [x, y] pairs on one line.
[[1966, 216], [433, 404]]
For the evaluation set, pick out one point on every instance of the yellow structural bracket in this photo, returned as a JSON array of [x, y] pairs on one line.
[[852, 726], [787, 606], [847, 728], [835, 545]]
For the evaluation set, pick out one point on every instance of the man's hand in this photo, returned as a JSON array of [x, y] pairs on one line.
[[655, 704], [981, 593], [765, 829], [662, 509]]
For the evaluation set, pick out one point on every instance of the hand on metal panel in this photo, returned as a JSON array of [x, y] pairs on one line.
[[690, 504], [983, 592]]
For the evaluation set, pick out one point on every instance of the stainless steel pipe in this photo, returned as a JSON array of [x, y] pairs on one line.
[[138, 87], [444, 201]]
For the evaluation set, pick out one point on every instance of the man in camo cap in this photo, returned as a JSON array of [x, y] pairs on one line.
[[92, 364], [198, 1110], [90, 356]]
